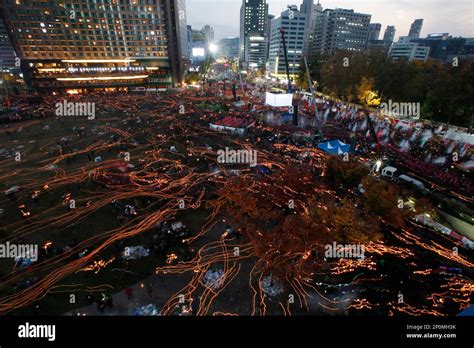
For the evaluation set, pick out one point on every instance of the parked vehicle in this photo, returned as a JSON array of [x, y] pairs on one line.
[[389, 172], [408, 179]]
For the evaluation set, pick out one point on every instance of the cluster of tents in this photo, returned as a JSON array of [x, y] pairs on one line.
[[334, 147]]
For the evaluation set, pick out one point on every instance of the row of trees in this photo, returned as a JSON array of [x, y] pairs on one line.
[[444, 91]]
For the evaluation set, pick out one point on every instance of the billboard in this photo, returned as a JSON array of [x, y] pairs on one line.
[[277, 100], [198, 52]]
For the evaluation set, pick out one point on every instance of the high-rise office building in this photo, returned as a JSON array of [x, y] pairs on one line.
[[389, 34], [7, 54], [183, 28], [318, 36], [378, 45], [311, 10], [444, 47], [268, 31], [199, 45], [228, 47], [253, 39], [415, 28], [340, 29], [77, 44], [373, 41], [374, 31], [406, 49], [189, 40], [293, 24]]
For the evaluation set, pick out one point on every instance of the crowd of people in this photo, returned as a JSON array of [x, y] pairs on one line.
[[419, 146], [438, 152]]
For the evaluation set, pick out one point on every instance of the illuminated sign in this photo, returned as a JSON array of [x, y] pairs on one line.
[[198, 52]]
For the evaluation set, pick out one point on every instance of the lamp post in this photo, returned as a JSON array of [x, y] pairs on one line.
[[212, 48], [4, 82]]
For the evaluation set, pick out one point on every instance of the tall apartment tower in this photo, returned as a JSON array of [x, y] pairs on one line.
[[389, 34], [253, 36], [415, 29], [82, 44]]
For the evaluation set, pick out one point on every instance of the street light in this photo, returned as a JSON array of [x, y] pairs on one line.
[[212, 48], [376, 167], [378, 164]]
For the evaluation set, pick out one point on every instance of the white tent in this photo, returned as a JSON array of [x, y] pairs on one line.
[[278, 100]]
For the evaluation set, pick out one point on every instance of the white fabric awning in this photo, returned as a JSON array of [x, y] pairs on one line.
[[278, 100]]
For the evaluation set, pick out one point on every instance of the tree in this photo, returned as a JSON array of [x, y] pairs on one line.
[[382, 199], [366, 94], [346, 174], [443, 90], [450, 99], [344, 223], [423, 206], [288, 241], [281, 237]]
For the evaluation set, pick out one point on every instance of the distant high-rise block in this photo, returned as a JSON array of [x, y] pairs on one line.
[[209, 33], [406, 49], [445, 47], [253, 33], [199, 45], [389, 34], [268, 31], [415, 28], [374, 31], [229, 47]]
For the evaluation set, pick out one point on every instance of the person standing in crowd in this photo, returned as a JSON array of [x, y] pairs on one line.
[[129, 293]]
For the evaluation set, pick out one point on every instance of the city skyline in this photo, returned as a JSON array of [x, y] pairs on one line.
[[456, 18]]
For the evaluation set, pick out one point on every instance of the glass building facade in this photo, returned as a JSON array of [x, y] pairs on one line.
[[95, 44]]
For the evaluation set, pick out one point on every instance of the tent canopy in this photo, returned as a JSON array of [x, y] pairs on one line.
[[334, 147], [467, 312], [278, 100]]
